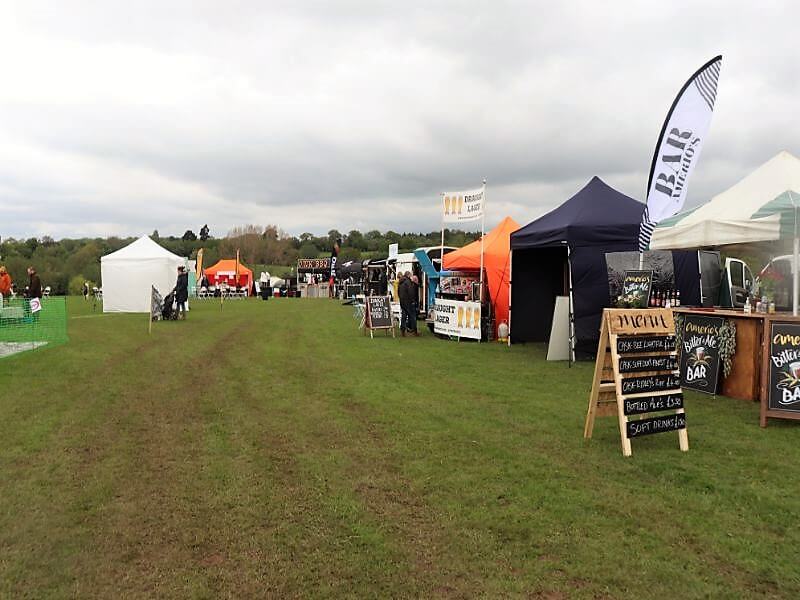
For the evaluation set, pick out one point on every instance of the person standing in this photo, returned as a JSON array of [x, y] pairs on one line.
[[34, 284], [5, 285], [85, 290], [414, 304], [182, 292], [405, 290]]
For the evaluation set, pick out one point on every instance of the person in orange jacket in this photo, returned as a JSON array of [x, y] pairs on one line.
[[5, 283]]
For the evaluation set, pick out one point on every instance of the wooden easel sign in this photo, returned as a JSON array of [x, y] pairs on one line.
[[636, 375], [378, 314]]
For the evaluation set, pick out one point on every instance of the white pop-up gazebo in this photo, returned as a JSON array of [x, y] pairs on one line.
[[129, 273], [762, 207]]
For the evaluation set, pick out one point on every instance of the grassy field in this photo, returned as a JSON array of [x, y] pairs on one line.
[[269, 450]]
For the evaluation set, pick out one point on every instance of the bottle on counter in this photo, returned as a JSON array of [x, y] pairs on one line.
[[677, 297], [748, 307]]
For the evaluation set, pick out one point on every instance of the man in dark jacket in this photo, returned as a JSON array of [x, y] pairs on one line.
[[34, 284], [182, 292], [406, 290]]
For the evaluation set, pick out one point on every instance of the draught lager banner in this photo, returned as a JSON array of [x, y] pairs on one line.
[[459, 207], [457, 318], [678, 148]]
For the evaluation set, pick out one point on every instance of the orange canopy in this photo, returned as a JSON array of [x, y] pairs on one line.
[[496, 251], [225, 272]]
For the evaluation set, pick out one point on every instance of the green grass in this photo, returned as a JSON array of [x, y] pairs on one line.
[[267, 449]]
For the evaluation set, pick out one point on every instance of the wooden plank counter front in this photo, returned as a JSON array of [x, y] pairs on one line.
[[746, 377]]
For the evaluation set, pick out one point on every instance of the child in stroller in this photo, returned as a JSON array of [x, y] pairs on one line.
[[167, 313]]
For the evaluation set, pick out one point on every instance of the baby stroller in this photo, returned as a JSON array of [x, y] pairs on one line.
[[167, 312]]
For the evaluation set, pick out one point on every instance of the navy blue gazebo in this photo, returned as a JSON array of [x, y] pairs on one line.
[[563, 253]]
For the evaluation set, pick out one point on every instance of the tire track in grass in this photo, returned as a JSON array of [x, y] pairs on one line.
[[153, 515], [369, 477]]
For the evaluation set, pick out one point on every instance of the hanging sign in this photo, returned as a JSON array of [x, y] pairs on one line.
[[700, 353], [459, 207], [636, 286], [636, 375], [394, 250], [36, 305], [457, 318], [313, 264]]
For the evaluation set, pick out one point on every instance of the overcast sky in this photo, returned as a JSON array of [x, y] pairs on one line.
[[124, 117]]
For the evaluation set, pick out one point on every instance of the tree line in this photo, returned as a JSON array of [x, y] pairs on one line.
[[66, 264]]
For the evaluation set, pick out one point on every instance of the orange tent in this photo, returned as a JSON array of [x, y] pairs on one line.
[[496, 252], [225, 272]]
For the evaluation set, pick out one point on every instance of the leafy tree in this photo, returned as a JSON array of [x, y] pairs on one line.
[[189, 236]]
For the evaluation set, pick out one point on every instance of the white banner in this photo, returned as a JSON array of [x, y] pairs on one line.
[[457, 318], [679, 147], [394, 250], [459, 207]]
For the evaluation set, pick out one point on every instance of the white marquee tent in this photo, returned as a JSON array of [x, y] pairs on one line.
[[762, 207], [128, 273]]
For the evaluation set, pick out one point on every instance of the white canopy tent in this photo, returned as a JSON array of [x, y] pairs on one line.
[[762, 207], [128, 273]]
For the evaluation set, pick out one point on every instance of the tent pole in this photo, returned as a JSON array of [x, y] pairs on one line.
[[510, 281], [795, 279], [571, 328], [483, 234]]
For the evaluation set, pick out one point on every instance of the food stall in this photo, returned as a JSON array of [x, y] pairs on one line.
[[759, 216]]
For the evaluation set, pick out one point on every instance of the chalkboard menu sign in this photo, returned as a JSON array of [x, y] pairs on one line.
[[645, 343], [378, 314], [636, 376], [700, 353], [647, 404], [650, 383], [784, 367], [636, 288], [657, 424], [636, 364]]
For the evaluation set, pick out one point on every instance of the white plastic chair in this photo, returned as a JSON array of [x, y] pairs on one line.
[[46, 292]]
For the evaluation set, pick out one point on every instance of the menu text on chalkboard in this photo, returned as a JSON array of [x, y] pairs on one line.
[[643, 343], [657, 424]]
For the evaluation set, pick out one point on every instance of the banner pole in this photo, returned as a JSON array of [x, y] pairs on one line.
[[483, 226], [150, 325]]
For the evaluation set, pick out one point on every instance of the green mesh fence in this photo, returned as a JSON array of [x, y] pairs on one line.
[[22, 328]]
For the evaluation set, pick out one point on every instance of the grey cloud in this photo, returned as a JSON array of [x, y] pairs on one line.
[[307, 114]]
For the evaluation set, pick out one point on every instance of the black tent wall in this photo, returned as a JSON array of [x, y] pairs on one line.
[[590, 294], [537, 278]]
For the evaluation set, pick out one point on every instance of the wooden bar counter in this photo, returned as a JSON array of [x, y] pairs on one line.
[[746, 378]]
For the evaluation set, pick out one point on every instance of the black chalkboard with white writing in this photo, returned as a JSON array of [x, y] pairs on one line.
[[700, 353], [379, 312], [784, 367], [651, 383], [645, 343], [658, 424], [647, 404], [639, 364], [636, 288]]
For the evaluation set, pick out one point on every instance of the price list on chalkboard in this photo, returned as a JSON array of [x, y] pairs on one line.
[[378, 314], [637, 366]]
